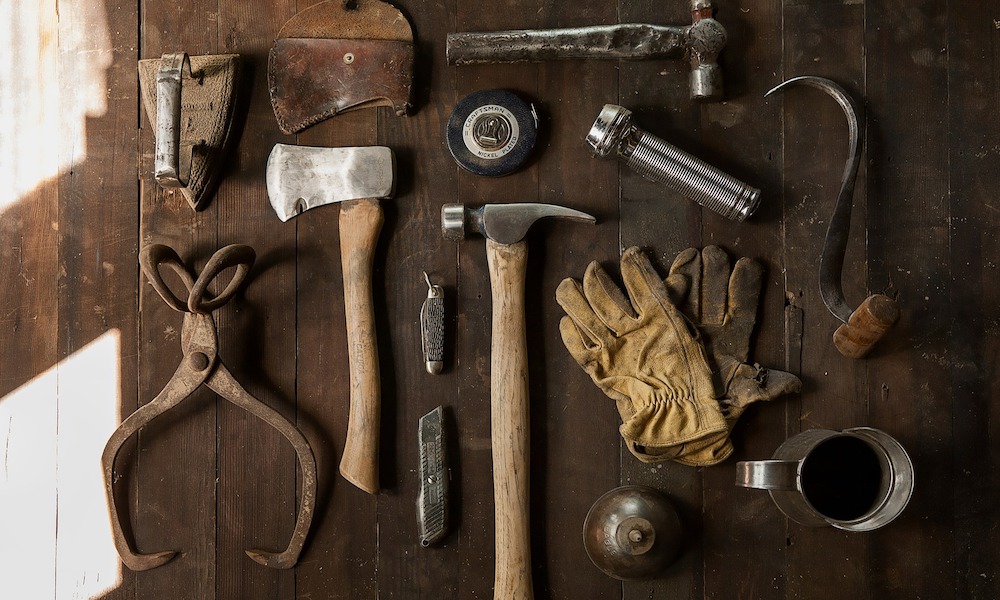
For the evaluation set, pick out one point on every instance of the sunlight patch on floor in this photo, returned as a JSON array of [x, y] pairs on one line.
[[55, 527]]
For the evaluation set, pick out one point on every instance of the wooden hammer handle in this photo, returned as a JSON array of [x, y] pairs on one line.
[[868, 323], [360, 223], [509, 420]]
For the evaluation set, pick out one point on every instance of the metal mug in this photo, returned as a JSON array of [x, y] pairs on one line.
[[858, 479]]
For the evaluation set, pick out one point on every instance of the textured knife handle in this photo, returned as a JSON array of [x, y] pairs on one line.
[[360, 223], [509, 420], [432, 501], [432, 330]]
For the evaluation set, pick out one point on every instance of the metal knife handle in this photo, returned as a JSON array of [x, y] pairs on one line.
[[432, 328], [432, 501]]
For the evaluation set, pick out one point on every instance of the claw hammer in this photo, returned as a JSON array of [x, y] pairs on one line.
[[504, 227]]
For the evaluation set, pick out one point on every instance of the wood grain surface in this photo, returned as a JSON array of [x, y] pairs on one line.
[[209, 480]]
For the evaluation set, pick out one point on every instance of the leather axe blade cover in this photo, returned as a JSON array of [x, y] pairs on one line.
[[335, 57]]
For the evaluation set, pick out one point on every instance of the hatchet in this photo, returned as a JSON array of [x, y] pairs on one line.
[[300, 178]]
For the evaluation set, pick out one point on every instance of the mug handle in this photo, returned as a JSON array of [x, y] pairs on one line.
[[767, 474]]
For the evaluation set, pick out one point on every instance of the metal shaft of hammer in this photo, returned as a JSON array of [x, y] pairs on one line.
[[699, 42]]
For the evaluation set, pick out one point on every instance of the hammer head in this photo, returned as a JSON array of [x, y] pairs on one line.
[[705, 39], [300, 177], [502, 223]]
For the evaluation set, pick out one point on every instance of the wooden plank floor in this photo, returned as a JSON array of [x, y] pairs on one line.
[[211, 481]]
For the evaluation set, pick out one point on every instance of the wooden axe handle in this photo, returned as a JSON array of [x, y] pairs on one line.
[[360, 223], [509, 420], [868, 323]]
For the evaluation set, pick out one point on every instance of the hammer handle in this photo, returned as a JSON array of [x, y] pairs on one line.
[[360, 223], [509, 420]]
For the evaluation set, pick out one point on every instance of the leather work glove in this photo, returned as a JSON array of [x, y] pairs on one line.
[[723, 306], [645, 355]]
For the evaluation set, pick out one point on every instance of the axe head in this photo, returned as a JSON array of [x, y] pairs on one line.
[[301, 177]]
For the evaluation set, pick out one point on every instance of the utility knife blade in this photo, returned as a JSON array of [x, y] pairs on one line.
[[432, 501]]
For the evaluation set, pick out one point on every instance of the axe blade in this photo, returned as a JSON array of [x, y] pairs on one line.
[[303, 177]]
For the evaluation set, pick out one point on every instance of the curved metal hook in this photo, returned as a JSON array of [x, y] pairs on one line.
[[864, 326], [223, 383], [832, 260]]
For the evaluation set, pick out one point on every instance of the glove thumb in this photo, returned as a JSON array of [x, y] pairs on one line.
[[751, 384]]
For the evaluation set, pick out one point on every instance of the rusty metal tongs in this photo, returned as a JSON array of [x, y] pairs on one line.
[[201, 364]]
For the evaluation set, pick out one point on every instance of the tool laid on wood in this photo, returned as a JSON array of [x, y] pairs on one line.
[[614, 134], [700, 43], [192, 118], [866, 325], [337, 56], [432, 501], [492, 132], [632, 533], [202, 365], [432, 328], [504, 227], [300, 178]]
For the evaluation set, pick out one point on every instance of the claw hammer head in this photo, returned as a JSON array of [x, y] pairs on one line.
[[503, 223]]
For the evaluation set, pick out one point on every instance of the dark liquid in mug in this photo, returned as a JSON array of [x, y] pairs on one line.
[[842, 478]]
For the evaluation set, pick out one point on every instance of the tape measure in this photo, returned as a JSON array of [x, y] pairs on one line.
[[492, 132]]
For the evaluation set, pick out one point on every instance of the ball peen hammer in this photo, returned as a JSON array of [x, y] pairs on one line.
[[701, 42], [300, 178], [504, 227]]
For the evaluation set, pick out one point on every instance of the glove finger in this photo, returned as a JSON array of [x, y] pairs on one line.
[[744, 294], [579, 347], [570, 296], [607, 300], [645, 287], [688, 264], [677, 286], [714, 285]]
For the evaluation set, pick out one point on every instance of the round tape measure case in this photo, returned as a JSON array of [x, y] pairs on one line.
[[492, 132]]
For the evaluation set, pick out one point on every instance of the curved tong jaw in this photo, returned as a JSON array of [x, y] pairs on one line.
[[864, 326], [199, 342]]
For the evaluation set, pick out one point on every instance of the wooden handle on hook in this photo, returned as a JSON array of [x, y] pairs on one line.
[[868, 323]]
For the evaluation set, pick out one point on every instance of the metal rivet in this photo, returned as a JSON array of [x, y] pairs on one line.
[[348, 58], [199, 361]]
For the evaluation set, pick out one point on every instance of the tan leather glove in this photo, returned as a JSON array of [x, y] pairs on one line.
[[644, 355], [723, 305]]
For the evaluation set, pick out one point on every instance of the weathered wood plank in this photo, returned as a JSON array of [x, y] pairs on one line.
[[576, 449], [971, 357], [177, 471], [342, 558], [258, 489], [909, 244], [821, 39], [744, 540], [663, 223], [413, 244]]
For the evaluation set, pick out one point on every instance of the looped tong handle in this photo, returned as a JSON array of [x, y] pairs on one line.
[[199, 300], [167, 163], [201, 366]]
